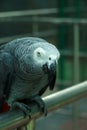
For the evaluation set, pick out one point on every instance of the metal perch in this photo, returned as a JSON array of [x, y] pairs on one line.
[[14, 119]]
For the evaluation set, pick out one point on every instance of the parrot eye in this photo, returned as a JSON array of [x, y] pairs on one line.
[[49, 58], [38, 54]]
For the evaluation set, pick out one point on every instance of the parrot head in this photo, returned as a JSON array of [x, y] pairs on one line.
[[47, 58], [40, 58]]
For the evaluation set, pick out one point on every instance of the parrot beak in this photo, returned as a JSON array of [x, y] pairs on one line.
[[50, 69], [52, 74]]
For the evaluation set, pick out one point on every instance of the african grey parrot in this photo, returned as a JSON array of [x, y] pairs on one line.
[[27, 68]]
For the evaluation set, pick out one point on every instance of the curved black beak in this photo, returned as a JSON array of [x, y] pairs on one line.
[[50, 69]]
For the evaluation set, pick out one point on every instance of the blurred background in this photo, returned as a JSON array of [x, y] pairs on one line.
[[63, 23]]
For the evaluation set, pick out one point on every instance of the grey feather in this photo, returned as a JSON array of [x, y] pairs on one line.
[[22, 60]]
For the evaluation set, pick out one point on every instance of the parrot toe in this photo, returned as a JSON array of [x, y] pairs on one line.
[[25, 108], [37, 99]]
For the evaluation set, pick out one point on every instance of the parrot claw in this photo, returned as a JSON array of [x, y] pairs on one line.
[[41, 104], [25, 108]]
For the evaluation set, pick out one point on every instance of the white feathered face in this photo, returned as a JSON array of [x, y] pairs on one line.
[[46, 60], [43, 56]]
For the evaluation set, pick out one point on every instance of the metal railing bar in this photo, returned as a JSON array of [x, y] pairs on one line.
[[53, 102], [52, 20], [55, 20], [36, 12], [27, 12]]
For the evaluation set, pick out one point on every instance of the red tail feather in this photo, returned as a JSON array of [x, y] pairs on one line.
[[6, 107]]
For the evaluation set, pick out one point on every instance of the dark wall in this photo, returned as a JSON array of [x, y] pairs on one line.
[[8, 5]]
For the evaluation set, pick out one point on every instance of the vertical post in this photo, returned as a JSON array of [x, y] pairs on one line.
[[22, 128], [31, 125], [76, 74], [76, 53], [34, 25], [62, 41], [76, 63]]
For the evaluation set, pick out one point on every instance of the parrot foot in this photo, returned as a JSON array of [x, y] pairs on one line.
[[41, 104], [25, 108]]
